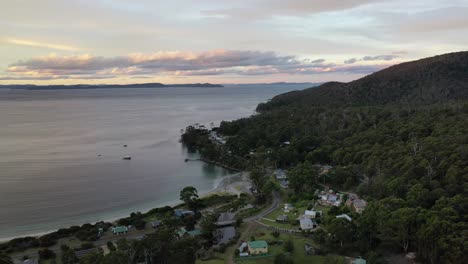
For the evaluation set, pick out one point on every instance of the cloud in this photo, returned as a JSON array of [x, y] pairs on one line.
[[262, 9], [373, 58], [30, 43], [176, 63]]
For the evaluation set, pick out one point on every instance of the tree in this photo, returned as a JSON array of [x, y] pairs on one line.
[[189, 195], [289, 246], [111, 246], [275, 234], [401, 226], [45, 254], [208, 225], [341, 229], [5, 259], [68, 255], [303, 177]]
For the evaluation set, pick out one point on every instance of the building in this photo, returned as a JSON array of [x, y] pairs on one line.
[[356, 204], [181, 213], [359, 261], [182, 232], [281, 174], [310, 214], [288, 207], [345, 216], [258, 247], [306, 223], [119, 230], [155, 224], [325, 169], [359, 205], [194, 233], [243, 250], [282, 218], [331, 198]]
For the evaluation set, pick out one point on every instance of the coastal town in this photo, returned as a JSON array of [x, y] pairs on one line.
[[228, 222]]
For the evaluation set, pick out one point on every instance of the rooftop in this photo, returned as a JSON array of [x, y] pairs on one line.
[[258, 244], [119, 229]]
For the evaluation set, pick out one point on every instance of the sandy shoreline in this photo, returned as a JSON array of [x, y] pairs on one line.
[[235, 184]]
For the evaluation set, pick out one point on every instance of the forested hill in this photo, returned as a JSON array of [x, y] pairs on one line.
[[399, 138], [437, 79]]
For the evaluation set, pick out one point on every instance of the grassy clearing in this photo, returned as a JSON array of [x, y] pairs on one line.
[[299, 256]]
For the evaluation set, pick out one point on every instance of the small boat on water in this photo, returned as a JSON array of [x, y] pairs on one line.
[[127, 158], [125, 145]]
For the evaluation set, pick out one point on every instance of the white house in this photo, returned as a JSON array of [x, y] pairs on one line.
[[310, 213], [288, 207], [281, 174], [306, 223]]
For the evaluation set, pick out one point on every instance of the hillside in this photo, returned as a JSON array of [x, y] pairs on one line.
[[437, 79], [398, 138]]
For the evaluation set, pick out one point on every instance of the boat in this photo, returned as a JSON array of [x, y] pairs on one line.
[[125, 145], [127, 158]]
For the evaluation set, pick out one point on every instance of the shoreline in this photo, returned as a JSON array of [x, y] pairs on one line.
[[227, 184]]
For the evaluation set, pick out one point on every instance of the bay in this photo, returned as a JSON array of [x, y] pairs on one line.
[[61, 150]]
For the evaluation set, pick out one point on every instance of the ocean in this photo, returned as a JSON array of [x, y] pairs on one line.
[[61, 150]]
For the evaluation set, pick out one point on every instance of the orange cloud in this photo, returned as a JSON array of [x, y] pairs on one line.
[[30, 43]]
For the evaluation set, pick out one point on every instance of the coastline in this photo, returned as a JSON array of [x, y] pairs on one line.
[[234, 184]]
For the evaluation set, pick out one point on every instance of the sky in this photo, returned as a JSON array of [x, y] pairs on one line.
[[220, 41]]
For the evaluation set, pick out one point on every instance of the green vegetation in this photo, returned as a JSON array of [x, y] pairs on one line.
[[399, 138]]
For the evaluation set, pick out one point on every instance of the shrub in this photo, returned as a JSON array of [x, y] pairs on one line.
[[275, 234], [46, 254], [289, 246]]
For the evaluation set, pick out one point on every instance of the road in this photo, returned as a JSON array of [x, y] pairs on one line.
[[274, 205], [251, 223]]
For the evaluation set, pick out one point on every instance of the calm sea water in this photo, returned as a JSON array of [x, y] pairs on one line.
[[51, 174]]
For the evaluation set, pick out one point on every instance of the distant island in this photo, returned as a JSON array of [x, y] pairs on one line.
[[103, 86]]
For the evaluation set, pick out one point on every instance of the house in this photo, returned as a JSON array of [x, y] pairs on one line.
[[258, 247], [243, 250], [181, 213], [194, 233], [155, 224], [119, 230], [288, 208], [331, 198], [359, 205], [306, 223], [325, 169], [282, 218], [281, 174], [356, 204], [359, 261], [182, 232], [345, 216], [310, 213]]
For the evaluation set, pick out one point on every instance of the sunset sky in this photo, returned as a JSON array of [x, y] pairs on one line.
[[220, 41]]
